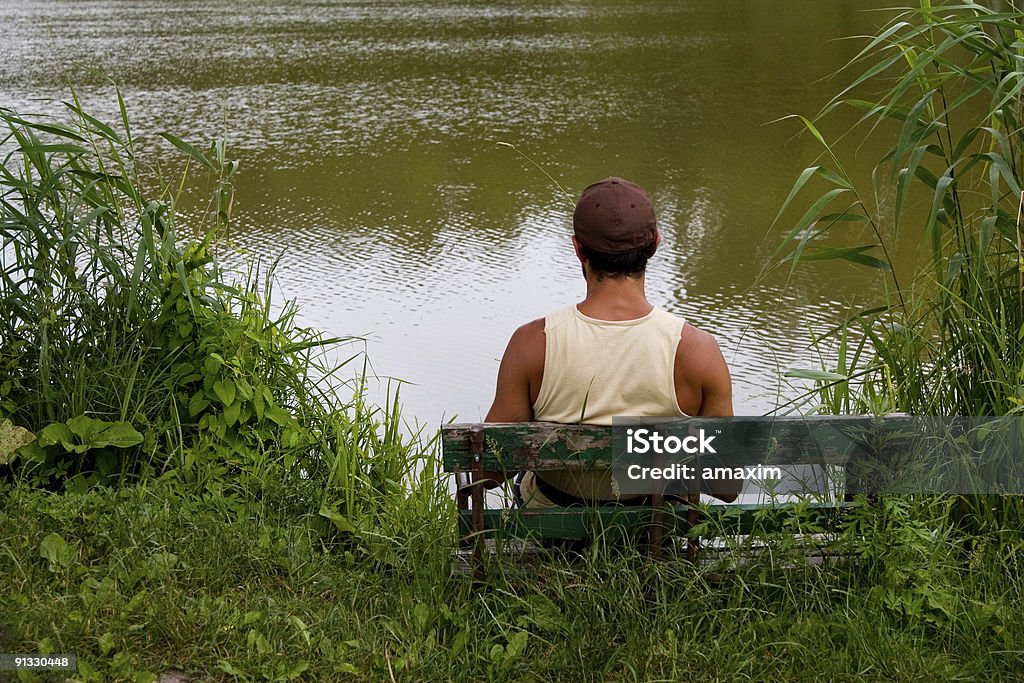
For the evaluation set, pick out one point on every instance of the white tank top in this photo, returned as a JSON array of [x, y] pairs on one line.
[[597, 369]]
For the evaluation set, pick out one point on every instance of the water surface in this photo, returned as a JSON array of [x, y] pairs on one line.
[[367, 134]]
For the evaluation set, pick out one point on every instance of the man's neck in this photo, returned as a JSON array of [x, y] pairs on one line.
[[615, 299]]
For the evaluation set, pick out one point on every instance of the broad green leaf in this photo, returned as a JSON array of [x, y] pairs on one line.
[[56, 551], [231, 413], [197, 404], [85, 427], [545, 614], [258, 403], [226, 666], [278, 415], [816, 375], [100, 433], [421, 616], [516, 645], [225, 390], [458, 643], [59, 433], [107, 642], [341, 523], [84, 433], [244, 389], [119, 434]]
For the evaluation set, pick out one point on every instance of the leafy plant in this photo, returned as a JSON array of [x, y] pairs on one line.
[[133, 354], [83, 433]]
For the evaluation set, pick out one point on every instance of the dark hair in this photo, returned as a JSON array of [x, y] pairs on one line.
[[624, 264]]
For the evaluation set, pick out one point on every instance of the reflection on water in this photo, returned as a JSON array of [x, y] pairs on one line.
[[367, 136], [445, 316]]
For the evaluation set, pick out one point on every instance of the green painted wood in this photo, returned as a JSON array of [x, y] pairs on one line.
[[528, 446], [822, 440], [584, 523]]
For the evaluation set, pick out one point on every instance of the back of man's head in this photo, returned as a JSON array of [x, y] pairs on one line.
[[615, 227]]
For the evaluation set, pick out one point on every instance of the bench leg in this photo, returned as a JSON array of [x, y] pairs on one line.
[[461, 490], [463, 482], [477, 449]]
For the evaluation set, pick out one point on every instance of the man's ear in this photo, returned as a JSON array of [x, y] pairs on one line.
[[580, 256], [657, 238], [579, 252]]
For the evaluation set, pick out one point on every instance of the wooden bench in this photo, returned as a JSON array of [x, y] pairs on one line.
[[469, 450]]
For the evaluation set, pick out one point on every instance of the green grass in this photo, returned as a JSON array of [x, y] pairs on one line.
[[144, 579]]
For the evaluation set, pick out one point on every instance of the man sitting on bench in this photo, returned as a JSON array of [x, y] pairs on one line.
[[611, 354]]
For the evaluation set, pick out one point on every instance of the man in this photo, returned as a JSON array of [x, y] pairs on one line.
[[611, 354]]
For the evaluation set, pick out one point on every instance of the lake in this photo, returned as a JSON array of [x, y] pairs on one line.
[[368, 136]]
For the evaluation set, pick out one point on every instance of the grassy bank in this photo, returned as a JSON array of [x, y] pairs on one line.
[[144, 579]]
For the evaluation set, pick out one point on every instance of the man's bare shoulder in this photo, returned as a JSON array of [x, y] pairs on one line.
[[531, 331], [527, 337], [698, 354], [697, 339], [519, 375], [526, 347]]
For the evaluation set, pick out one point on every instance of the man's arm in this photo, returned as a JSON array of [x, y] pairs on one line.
[[703, 374], [716, 388], [519, 376]]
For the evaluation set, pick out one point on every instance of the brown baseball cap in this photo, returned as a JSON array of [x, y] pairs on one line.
[[614, 216]]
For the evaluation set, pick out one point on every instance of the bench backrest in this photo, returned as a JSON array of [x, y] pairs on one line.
[[818, 439]]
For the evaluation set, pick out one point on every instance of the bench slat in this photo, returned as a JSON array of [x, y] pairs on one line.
[[583, 523], [816, 440]]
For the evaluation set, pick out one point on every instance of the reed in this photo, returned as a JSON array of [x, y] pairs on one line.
[[948, 341]]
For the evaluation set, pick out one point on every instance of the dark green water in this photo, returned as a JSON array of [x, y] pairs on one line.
[[367, 134]]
